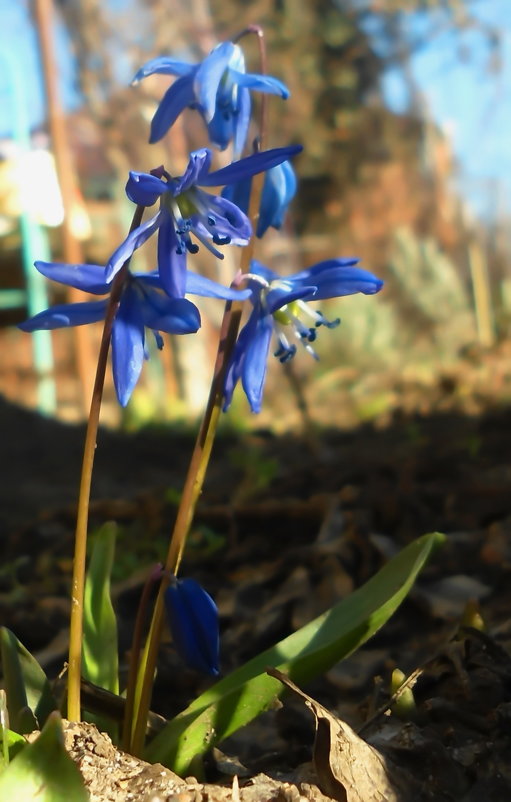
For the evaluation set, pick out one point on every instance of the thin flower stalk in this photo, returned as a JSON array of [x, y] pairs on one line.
[[263, 68], [203, 445], [190, 495], [82, 518], [136, 647]]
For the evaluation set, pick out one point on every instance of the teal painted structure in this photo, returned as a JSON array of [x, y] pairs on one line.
[[34, 243]]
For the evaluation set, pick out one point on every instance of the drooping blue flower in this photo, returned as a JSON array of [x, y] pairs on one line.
[[279, 189], [218, 87], [279, 306], [143, 304], [193, 619], [185, 209]]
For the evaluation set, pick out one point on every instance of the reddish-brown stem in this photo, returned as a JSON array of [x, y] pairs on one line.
[[82, 518], [263, 69]]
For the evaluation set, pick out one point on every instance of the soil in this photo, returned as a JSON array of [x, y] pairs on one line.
[[286, 526]]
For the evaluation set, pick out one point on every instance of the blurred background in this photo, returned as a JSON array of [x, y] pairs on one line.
[[403, 108]]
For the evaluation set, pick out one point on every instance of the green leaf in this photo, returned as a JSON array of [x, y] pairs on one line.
[[10, 743], [29, 696], [43, 770], [100, 651], [241, 696]]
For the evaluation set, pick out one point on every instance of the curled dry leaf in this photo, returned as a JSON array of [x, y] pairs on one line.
[[347, 767]]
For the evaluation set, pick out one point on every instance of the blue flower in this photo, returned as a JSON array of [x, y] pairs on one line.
[[279, 305], [143, 304], [193, 621], [185, 209], [278, 191], [218, 88]]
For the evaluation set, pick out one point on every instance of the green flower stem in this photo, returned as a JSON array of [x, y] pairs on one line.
[[136, 646], [82, 518], [202, 450], [191, 492]]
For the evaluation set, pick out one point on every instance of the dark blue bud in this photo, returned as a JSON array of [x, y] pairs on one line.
[[193, 621]]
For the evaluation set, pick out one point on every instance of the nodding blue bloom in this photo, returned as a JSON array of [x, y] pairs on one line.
[[218, 88], [185, 209], [143, 304], [278, 191], [279, 305], [193, 619]]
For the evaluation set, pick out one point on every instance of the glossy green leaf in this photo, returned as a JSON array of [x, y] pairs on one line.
[[100, 650], [43, 770], [29, 696], [241, 696]]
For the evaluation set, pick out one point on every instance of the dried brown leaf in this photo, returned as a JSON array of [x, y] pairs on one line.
[[347, 767]]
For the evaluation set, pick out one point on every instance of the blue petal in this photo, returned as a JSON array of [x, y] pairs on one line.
[[206, 287], [241, 121], [283, 180], [238, 357], [173, 315], [193, 621], [278, 190], [222, 125], [133, 241], [163, 66], [255, 363], [64, 315], [263, 83], [238, 193], [230, 221], [346, 281], [144, 188], [290, 181], [127, 344], [208, 77], [270, 211], [198, 165], [197, 285], [310, 274], [151, 280], [244, 168], [89, 278], [278, 297], [171, 263], [176, 98], [261, 270]]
